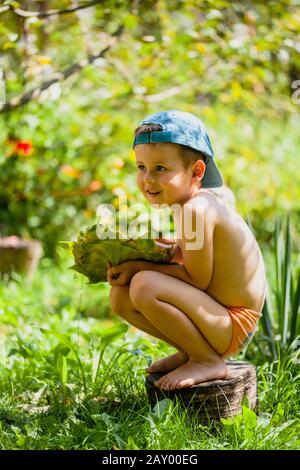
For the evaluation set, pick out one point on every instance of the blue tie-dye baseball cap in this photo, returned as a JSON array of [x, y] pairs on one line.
[[186, 129]]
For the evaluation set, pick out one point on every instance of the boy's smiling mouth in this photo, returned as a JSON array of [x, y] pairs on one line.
[[153, 193]]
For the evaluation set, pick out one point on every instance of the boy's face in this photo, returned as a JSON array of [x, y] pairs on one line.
[[160, 170]]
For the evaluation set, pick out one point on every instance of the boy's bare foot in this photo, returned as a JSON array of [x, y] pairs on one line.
[[192, 373], [168, 363]]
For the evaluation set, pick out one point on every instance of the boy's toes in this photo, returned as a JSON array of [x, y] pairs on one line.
[[160, 382], [173, 386], [152, 368], [169, 384], [166, 385]]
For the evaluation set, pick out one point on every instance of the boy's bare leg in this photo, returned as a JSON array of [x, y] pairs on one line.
[[122, 306], [192, 319]]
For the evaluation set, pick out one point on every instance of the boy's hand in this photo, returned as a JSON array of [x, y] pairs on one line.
[[177, 256], [164, 242], [121, 274], [176, 252]]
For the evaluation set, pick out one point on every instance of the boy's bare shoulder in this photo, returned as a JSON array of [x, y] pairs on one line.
[[223, 196], [219, 202], [221, 214], [220, 217]]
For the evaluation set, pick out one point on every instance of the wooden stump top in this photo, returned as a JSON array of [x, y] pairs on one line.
[[215, 399], [17, 243], [18, 255]]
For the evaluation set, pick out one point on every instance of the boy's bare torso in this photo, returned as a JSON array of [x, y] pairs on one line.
[[238, 275]]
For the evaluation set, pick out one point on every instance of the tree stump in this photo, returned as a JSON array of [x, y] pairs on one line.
[[215, 399], [20, 256]]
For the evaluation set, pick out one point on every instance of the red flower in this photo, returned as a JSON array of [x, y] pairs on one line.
[[23, 147]]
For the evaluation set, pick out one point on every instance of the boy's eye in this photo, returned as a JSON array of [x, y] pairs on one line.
[[158, 167]]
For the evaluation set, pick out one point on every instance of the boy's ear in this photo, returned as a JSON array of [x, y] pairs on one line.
[[199, 169]]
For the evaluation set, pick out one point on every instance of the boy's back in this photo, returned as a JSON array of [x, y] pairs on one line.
[[238, 275]]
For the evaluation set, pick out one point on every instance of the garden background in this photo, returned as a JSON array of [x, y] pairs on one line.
[[75, 80]]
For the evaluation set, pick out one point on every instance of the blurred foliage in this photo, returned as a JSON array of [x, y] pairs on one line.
[[69, 148]]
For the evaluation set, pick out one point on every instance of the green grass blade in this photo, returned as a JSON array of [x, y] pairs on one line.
[[295, 310], [268, 327], [286, 282], [278, 263], [96, 362]]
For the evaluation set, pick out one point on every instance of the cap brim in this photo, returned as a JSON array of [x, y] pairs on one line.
[[212, 177]]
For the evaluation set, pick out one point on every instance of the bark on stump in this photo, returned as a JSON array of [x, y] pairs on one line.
[[19, 256], [215, 399]]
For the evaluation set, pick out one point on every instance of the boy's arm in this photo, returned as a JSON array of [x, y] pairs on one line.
[[198, 252], [175, 270], [197, 264]]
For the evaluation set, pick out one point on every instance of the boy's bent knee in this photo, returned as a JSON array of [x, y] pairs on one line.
[[140, 286]]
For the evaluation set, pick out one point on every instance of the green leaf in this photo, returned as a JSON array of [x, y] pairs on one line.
[[112, 333], [92, 255], [278, 415], [250, 421], [62, 367], [66, 245], [61, 349], [64, 339], [131, 445]]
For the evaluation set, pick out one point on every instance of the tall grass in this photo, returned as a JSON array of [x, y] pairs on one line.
[[280, 320], [72, 376]]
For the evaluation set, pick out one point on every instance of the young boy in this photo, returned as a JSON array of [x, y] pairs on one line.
[[208, 305]]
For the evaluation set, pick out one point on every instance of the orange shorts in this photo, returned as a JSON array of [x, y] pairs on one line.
[[244, 325]]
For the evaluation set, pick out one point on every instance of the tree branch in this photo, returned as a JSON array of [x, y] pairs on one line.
[[45, 14], [58, 77], [171, 91]]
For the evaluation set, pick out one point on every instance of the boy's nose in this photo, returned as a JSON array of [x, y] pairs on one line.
[[149, 177]]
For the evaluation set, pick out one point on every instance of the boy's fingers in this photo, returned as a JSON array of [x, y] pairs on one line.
[[168, 241], [115, 282]]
